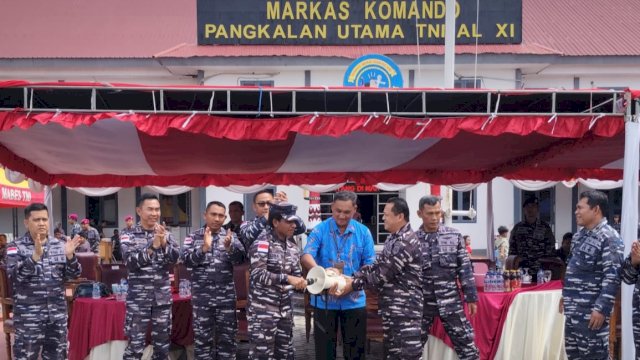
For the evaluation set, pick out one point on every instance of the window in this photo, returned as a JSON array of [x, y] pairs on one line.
[[468, 83], [371, 202], [260, 83], [463, 200], [176, 209], [102, 208]]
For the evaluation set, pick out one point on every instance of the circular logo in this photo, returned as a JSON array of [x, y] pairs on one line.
[[373, 70]]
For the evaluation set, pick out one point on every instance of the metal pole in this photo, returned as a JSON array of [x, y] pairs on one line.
[[449, 43]]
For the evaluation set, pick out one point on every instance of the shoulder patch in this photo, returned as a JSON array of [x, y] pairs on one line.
[[188, 240], [125, 238], [12, 250], [263, 246]]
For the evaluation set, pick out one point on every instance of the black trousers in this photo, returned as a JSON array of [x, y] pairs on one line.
[[353, 327]]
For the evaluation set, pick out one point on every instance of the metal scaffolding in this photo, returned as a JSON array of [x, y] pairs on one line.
[[287, 102]]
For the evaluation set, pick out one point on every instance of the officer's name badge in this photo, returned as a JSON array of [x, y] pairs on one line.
[[12, 250], [263, 246]]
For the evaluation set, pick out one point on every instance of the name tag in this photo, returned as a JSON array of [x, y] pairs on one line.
[[591, 250], [56, 255], [448, 244], [593, 242]]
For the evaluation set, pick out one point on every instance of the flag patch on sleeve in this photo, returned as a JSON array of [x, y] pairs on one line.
[[124, 238], [12, 250], [188, 240], [263, 246]]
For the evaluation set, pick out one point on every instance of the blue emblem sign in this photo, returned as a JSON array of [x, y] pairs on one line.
[[373, 70]]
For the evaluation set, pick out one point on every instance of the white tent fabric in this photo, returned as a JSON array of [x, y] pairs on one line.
[[534, 185], [170, 190], [95, 191], [464, 187], [392, 187], [629, 226]]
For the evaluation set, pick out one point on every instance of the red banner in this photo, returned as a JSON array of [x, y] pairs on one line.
[[17, 195]]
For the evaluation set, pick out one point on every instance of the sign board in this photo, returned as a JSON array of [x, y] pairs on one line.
[[17, 195], [376, 71], [355, 22]]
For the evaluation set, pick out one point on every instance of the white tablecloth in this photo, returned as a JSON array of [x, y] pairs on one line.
[[533, 330], [114, 350]]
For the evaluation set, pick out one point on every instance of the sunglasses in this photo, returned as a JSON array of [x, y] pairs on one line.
[[263, 203]]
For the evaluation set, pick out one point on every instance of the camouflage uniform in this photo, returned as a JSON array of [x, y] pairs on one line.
[[532, 242], [630, 276], [93, 237], [249, 230], [149, 296], [591, 283], [270, 312], [213, 293], [445, 261], [397, 276], [75, 229], [233, 227], [40, 308]]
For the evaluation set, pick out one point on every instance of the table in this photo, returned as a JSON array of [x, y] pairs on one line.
[[499, 326], [99, 324]]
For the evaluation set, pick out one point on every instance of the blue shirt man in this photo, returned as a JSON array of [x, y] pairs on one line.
[[345, 245]]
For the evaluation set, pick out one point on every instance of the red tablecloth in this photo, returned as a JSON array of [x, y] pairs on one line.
[[488, 322], [95, 322]]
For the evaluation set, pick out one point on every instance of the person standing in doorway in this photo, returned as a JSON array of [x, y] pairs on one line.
[[344, 245]]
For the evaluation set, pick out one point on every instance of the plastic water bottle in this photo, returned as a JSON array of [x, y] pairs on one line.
[[182, 291], [540, 277], [95, 294], [487, 282], [124, 289], [493, 284]]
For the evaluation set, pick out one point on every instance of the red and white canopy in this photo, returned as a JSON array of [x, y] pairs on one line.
[[100, 149], [109, 149]]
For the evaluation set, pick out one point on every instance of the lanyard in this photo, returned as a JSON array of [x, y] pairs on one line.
[[339, 244]]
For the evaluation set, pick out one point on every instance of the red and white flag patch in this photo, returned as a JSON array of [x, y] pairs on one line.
[[263, 246], [188, 241], [12, 250], [124, 239]]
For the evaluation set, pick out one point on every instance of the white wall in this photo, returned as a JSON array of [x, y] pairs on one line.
[[502, 204], [233, 77], [6, 222], [564, 212]]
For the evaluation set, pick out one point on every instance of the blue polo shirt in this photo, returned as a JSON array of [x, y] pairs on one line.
[[355, 247]]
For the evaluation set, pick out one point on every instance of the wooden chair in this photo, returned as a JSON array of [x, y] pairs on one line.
[[241, 282], [480, 267], [308, 309], [6, 299], [555, 265], [89, 263], [374, 320], [180, 272], [614, 327], [512, 262], [110, 274]]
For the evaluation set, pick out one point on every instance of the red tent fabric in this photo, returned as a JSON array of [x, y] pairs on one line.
[[128, 149]]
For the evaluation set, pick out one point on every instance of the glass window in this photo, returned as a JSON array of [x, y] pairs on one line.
[[261, 83], [102, 208], [176, 209]]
